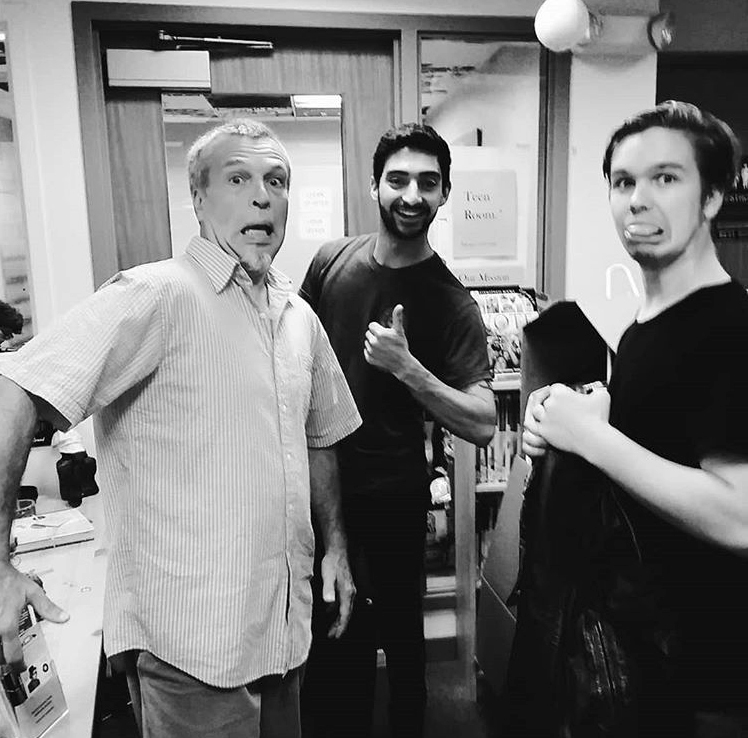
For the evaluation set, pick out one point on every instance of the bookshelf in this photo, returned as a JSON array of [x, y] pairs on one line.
[[485, 488], [506, 382]]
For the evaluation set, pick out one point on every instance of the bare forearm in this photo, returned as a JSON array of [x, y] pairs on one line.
[[325, 493], [695, 500], [18, 420], [469, 416]]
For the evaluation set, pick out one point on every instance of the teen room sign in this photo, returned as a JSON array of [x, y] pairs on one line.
[[484, 214]]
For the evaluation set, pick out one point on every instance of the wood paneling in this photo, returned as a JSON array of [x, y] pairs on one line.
[[138, 172], [360, 70]]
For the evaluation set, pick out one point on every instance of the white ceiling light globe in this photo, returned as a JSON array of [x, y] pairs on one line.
[[562, 24]]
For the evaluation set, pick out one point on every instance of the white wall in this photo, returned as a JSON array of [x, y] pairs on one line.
[[603, 93], [43, 75], [605, 89]]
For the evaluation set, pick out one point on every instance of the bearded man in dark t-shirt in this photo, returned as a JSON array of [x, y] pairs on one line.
[[411, 341], [674, 439]]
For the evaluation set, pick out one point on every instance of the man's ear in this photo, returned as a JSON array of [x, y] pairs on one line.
[[373, 189], [712, 204], [197, 202], [445, 194]]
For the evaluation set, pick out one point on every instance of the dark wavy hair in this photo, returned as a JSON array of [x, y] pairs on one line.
[[419, 138], [11, 321], [716, 148]]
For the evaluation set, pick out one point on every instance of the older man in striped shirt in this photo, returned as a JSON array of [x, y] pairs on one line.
[[217, 403]]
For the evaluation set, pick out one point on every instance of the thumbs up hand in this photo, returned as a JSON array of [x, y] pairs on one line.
[[387, 348], [397, 320]]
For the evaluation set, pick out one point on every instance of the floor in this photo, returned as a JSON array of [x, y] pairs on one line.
[[450, 713]]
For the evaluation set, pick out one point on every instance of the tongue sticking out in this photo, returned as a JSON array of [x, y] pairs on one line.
[[641, 230], [257, 232]]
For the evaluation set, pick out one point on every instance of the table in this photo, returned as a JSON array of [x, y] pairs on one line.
[[73, 577]]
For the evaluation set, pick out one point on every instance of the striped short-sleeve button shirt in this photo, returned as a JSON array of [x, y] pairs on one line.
[[205, 406]]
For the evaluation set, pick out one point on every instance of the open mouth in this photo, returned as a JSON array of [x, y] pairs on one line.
[[410, 213], [257, 229]]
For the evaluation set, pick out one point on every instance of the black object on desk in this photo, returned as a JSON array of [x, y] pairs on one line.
[[28, 492], [77, 472]]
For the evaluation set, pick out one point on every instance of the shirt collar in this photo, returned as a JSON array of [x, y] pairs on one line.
[[222, 267]]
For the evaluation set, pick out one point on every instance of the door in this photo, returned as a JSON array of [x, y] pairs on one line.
[[358, 67]]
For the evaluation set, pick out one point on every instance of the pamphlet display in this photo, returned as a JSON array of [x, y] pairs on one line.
[[32, 700]]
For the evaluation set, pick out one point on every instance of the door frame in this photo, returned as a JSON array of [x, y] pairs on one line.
[[89, 18]]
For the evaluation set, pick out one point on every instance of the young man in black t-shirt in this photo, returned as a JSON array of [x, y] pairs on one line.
[[672, 434], [411, 341]]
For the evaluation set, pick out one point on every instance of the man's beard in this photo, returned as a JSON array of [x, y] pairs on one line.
[[390, 223], [655, 260]]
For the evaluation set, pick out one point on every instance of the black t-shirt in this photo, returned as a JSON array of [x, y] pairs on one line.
[[348, 289], [679, 388]]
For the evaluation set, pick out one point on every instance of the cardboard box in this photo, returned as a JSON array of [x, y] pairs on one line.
[[501, 566], [495, 627], [494, 637]]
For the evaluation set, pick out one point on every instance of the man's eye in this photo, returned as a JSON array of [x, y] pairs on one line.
[[622, 183], [665, 178], [429, 184], [236, 179], [276, 182], [396, 182]]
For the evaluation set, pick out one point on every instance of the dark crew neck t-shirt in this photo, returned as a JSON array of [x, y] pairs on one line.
[[348, 289], [679, 388]]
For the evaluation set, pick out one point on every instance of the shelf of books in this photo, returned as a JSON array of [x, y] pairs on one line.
[[505, 382]]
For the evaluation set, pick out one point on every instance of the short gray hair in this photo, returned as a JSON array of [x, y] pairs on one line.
[[197, 169]]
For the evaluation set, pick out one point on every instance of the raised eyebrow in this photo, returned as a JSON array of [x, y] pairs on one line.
[[230, 163], [240, 165]]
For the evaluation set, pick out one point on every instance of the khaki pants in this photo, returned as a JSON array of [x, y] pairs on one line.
[[168, 703]]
